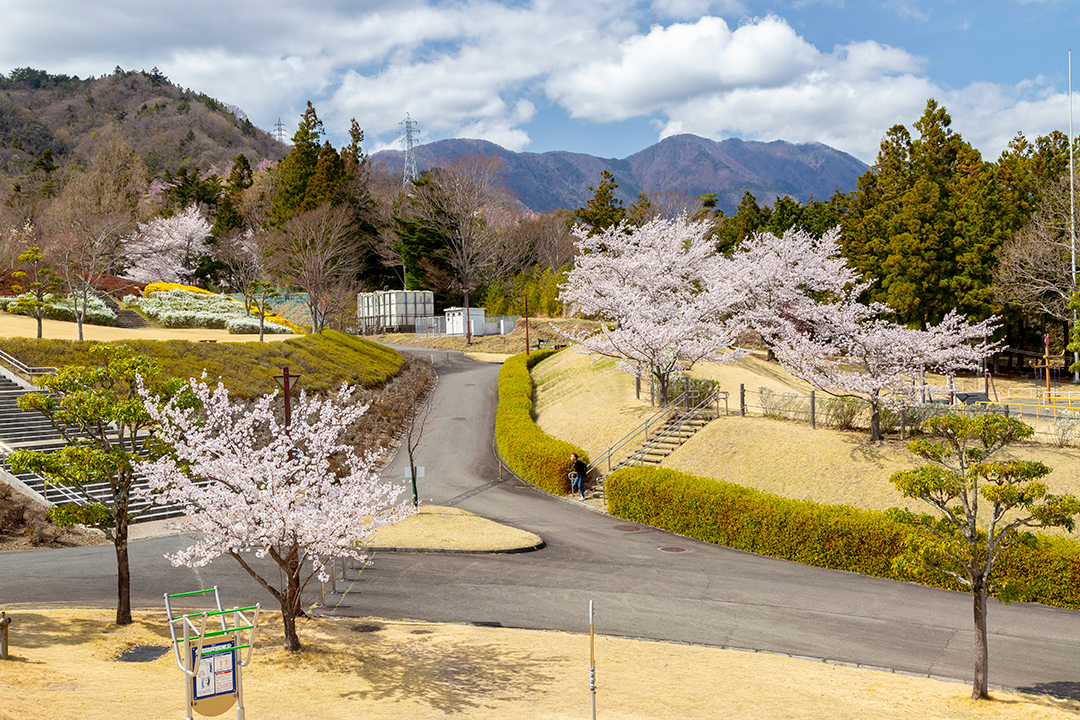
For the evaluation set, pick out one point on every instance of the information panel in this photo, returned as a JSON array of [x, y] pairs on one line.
[[216, 672]]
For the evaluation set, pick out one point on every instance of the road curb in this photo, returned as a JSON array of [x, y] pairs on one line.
[[452, 551]]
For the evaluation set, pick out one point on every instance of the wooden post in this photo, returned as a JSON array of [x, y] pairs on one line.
[[813, 409], [742, 399]]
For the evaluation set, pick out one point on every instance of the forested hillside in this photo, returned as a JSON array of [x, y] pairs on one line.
[[168, 126]]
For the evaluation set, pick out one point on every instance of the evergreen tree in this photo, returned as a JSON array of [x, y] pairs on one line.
[[298, 167], [603, 210], [927, 220]]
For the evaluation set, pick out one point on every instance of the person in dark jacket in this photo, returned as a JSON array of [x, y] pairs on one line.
[[577, 475]]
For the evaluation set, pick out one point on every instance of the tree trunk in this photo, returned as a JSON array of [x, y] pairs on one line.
[[39, 324], [662, 389], [875, 418], [291, 602], [982, 657], [123, 574]]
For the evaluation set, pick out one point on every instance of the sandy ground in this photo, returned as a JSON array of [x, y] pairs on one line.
[[20, 326], [63, 666]]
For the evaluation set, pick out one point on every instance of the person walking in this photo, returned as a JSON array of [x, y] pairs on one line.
[[577, 475]]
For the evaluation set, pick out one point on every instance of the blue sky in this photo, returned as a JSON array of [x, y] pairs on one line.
[[596, 76]]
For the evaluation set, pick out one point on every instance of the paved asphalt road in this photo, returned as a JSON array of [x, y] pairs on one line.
[[703, 594]]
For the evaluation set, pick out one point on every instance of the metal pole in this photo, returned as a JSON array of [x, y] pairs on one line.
[[1072, 215], [813, 413], [5, 621], [592, 663], [526, 323]]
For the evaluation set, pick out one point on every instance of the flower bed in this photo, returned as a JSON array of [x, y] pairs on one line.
[[185, 308]]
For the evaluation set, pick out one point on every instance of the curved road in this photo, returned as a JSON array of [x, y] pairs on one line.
[[646, 583]]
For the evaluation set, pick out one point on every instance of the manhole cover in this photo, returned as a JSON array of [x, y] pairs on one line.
[[365, 628], [143, 653], [629, 528], [421, 632], [672, 548]]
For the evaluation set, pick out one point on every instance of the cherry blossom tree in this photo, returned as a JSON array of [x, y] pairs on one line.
[[844, 348], [299, 495], [168, 249], [648, 288], [779, 281]]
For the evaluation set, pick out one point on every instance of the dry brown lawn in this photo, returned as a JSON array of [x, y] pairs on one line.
[[447, 528], [63, 666]]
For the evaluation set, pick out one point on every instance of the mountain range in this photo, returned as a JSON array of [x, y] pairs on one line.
[[686, 163]]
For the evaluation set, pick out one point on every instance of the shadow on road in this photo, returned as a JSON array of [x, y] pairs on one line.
[[1067, 690]]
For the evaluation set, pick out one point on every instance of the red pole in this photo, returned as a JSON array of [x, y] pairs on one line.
[[526, 325]]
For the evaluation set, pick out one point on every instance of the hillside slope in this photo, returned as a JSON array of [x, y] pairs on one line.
[[593, 405], [167, 125]]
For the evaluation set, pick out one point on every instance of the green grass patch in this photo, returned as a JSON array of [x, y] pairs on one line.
[[324, 360]]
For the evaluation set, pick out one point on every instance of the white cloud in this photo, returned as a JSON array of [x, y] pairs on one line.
[[475, 68], [682, 61]]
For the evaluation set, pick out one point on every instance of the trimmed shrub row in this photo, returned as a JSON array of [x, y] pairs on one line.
[[830, 536], [62, 308], [537, 457]]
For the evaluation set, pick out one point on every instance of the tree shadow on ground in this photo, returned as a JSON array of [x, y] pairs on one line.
[[1065, 689], [34, 630], [449, 674]]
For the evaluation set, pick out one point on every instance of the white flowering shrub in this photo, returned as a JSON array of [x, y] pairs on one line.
[[181, 309], [59, 307], [250, 326]]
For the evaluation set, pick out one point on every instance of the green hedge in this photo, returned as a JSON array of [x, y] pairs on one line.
[[538, 458], [837, 537]]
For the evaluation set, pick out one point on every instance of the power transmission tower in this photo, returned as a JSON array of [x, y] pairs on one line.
[[409, 176], [279, 131]]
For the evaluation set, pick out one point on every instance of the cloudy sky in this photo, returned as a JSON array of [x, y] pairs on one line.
[[598, 76]]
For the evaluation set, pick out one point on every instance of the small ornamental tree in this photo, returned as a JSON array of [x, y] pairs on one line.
[[299, 496], [100, 414], [960, 541], [40, 282], [647, 287]]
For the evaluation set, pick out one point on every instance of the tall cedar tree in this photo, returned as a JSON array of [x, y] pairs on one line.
[[928, 219], [603, 210]]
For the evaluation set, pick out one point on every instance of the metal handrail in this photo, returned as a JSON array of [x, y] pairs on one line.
[[625, 439], [672, 428], [23, 369]]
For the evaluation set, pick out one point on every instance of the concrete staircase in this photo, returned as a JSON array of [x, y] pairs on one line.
[[666, 440], [32, 431], [124, 318]]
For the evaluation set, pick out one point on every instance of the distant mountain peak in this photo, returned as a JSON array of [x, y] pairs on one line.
[[688, 163]]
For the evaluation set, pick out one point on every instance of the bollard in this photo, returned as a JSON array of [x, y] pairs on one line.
[[4, 622]]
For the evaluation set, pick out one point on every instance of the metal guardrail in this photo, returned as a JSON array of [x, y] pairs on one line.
[[1042, 409], [628, 437], [673, 427], [22, 369]]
